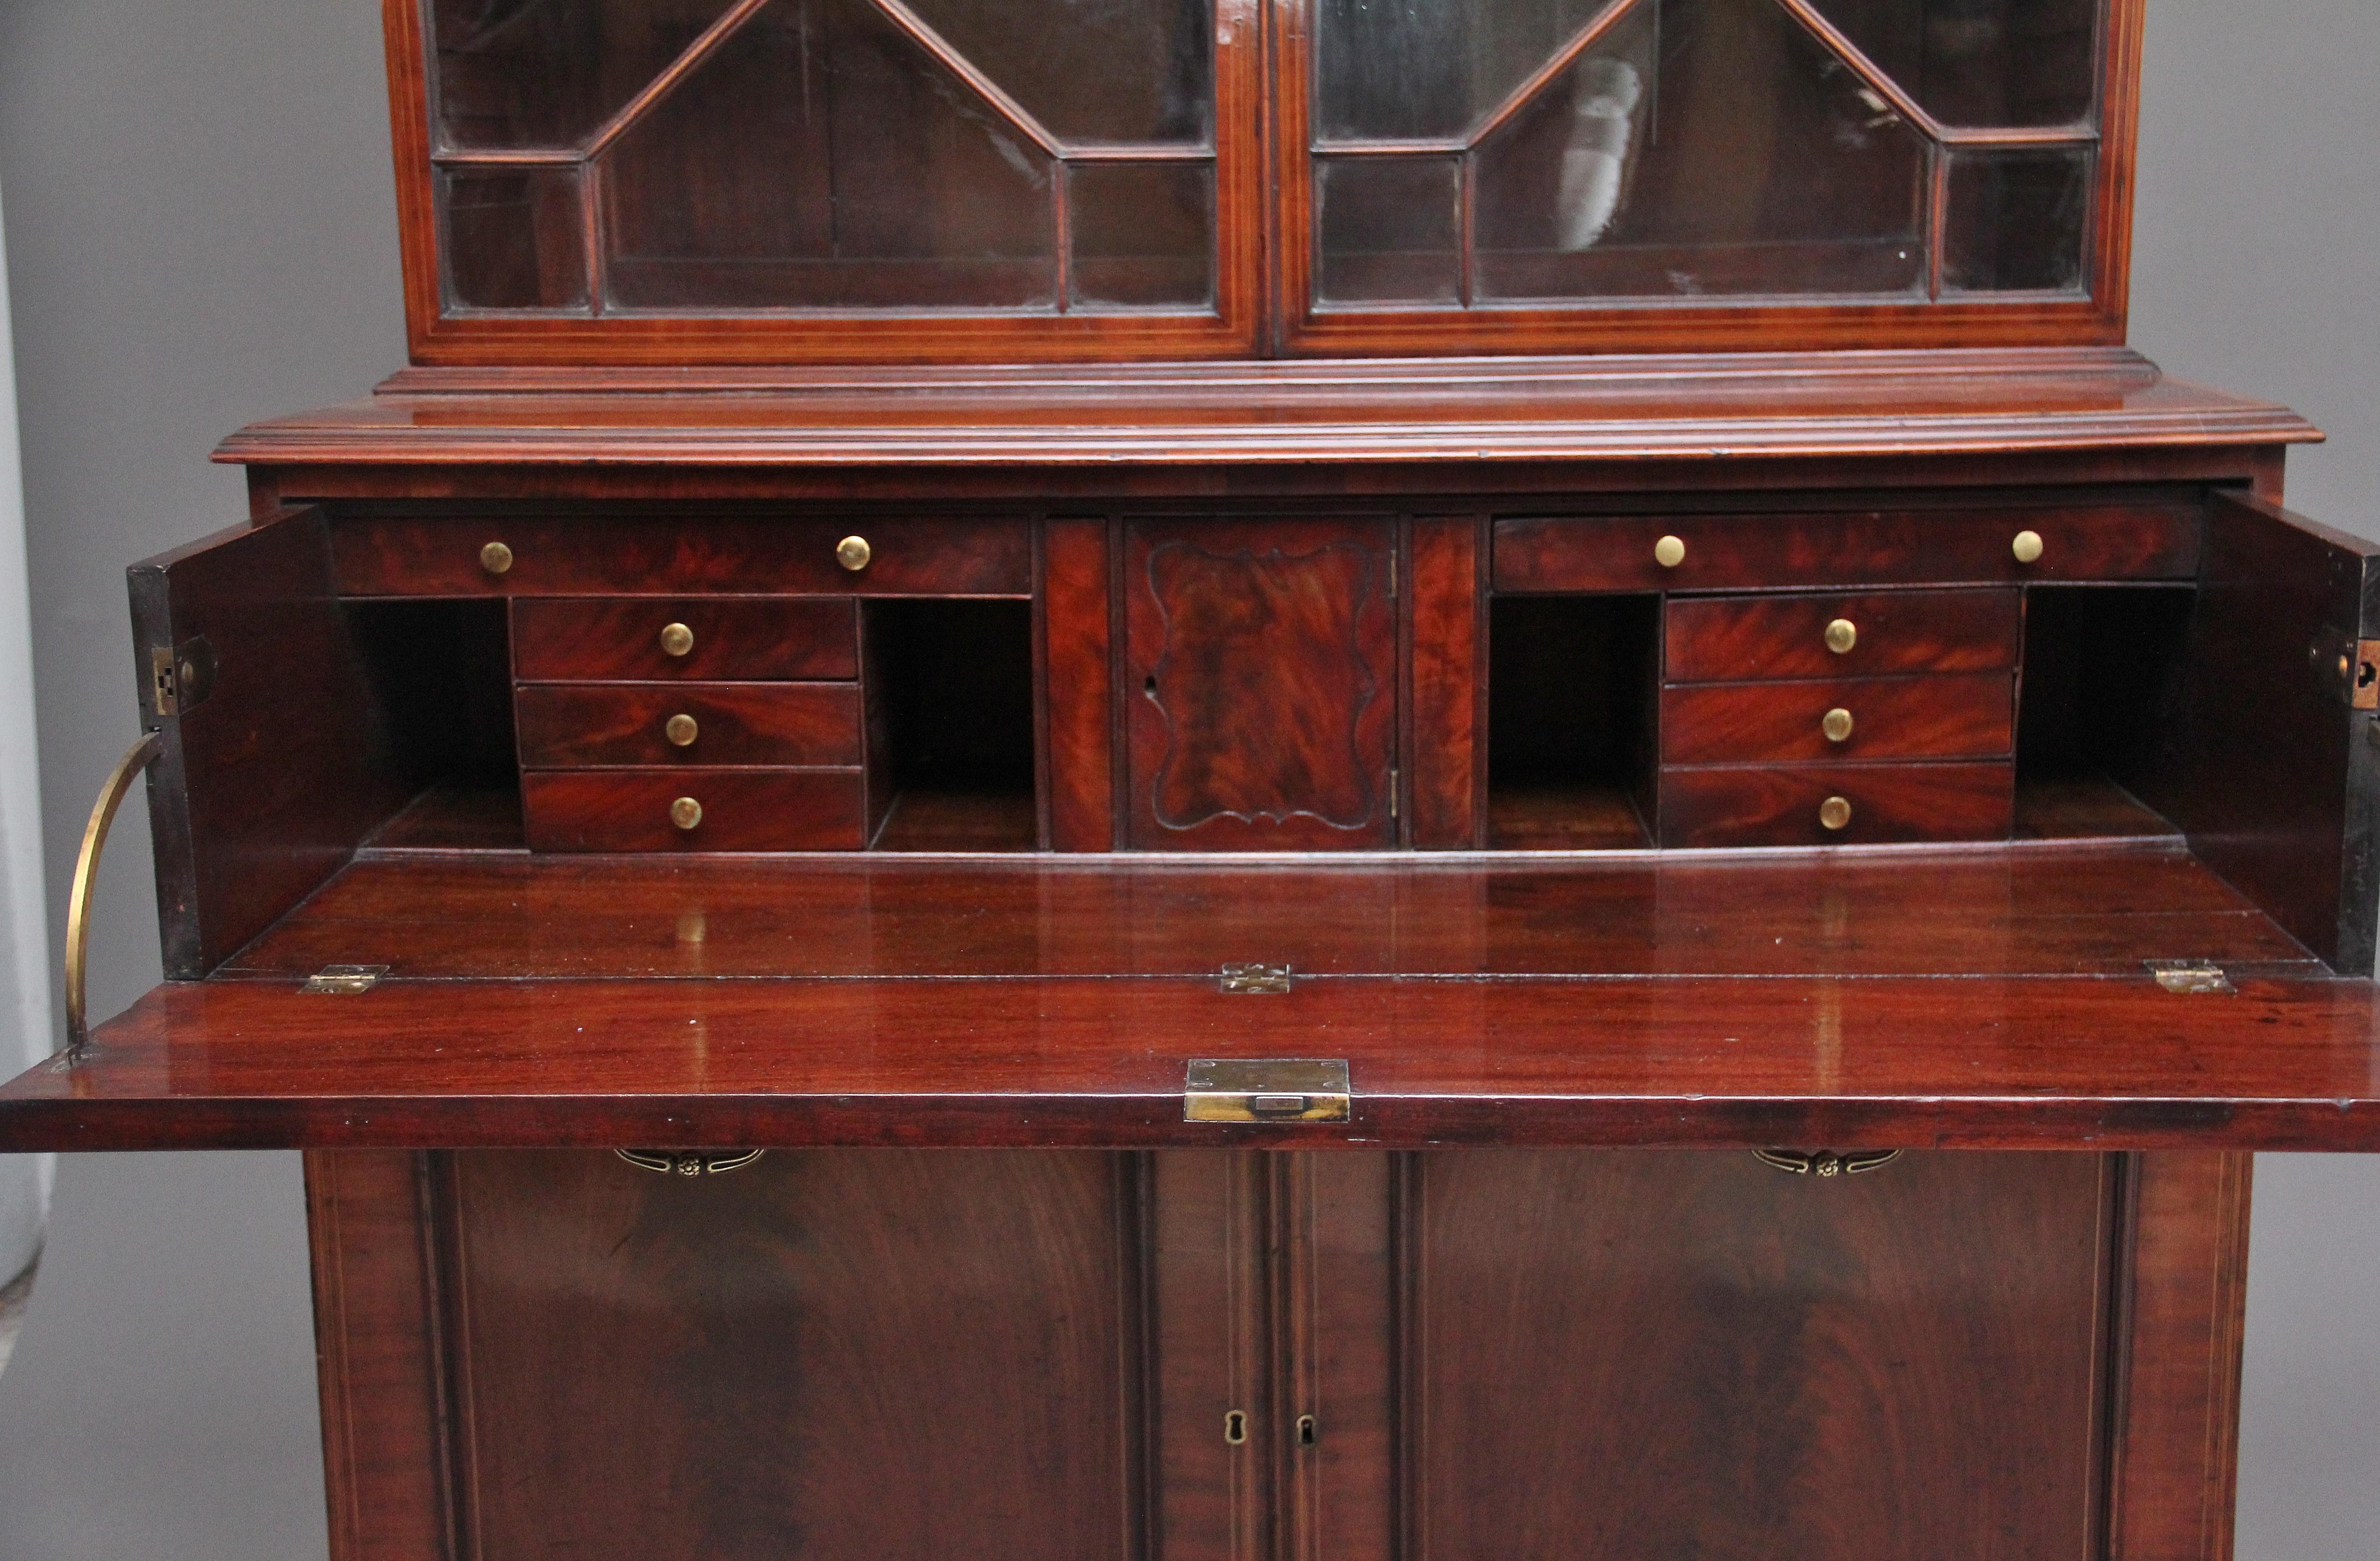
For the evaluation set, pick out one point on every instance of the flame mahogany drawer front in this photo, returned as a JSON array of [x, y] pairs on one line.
[[647, 638], [1888, 547], [552, 555], [795, 724], [1742, 638], [734, 810], [1969, 716], [1876, 804]]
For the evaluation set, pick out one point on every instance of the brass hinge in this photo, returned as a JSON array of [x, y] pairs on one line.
[[1266, 1089], [181, 676], [1254, 980], [2190, 977], [344, 981], [1394, 781]]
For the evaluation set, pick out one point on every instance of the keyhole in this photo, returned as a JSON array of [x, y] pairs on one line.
[[1235, 1427], [1148, 685], [1306, 1433]]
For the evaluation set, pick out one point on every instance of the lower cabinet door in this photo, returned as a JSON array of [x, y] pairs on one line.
[[1633, 1354]]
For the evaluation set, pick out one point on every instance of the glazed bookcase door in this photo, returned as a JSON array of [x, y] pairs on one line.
[[690, 180], [1625, 174]]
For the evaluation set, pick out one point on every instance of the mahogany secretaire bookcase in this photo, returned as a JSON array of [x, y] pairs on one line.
[[1262, 780]]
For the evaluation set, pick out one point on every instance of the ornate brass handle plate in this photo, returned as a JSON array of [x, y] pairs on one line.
[[1825, 1162], [138, 758], [690, 1161]]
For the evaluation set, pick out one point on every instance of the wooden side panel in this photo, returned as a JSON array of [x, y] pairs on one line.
[[1633, 1354], [1261, 664], [271, 778], [383, 1450], [903, 1356], [2177, 1442], [1079, 702], [2279, 787], [1445, 643]]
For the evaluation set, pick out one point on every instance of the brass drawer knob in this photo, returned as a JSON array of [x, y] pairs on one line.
[[681, 730], [497, 558], [1836, 724], [1835, 813], [1669, 551], [686, 813], [676, 640], [2027, 547], [1841, 635], [853, 553]]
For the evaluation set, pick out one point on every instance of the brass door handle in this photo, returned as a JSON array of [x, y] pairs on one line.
[[1825, 1162], [690, 1161], [136, 759]]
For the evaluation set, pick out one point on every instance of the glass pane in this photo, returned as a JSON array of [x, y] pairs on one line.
[[1990, 63], [821, 160], [1144, 233], [1703, 147], [2016, 222], [1094, 70], [512, 239], [546, 73], [1389, 69], [1388, 230]]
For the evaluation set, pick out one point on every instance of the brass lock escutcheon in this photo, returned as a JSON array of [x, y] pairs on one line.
[[1267, 1089], [676, 640], [853, 553], [681, 730], [690, 1161], [1841, 635]]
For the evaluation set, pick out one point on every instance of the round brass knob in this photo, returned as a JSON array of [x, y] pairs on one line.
[[686, 813], [676, 640], [1836, 724], [1835, 813], [1841, 635], [2027, 546], [495, 558], [681, 730], [1669, 551], [853, 553]]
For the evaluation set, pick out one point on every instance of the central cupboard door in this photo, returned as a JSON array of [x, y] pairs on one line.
[[1262, 684]]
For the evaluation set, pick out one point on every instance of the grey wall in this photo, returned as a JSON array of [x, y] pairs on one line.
[[201, 231]]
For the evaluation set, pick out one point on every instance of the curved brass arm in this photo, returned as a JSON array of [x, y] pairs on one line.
[[94, 835]]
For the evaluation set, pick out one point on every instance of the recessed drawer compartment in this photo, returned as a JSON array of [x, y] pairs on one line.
[[1972, 716], [647, 638], [1737, 639], [549, 555], [1887, 547], [801, 724], [732, 810], [1836, 804]]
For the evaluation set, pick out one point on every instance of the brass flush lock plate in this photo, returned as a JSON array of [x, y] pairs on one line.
[[344, 981], [180, 676], [2190, 977], [1254, 980], [1266, 1089]]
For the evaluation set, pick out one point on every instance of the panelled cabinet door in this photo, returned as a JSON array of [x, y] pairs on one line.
[[1261, 684]]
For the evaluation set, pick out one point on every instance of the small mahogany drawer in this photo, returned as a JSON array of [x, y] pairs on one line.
[[1970, 715], [557, 555], [647, 639], [739, 809], [797, 725], [1742, 638], [1788, 805], [1876, 547]]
